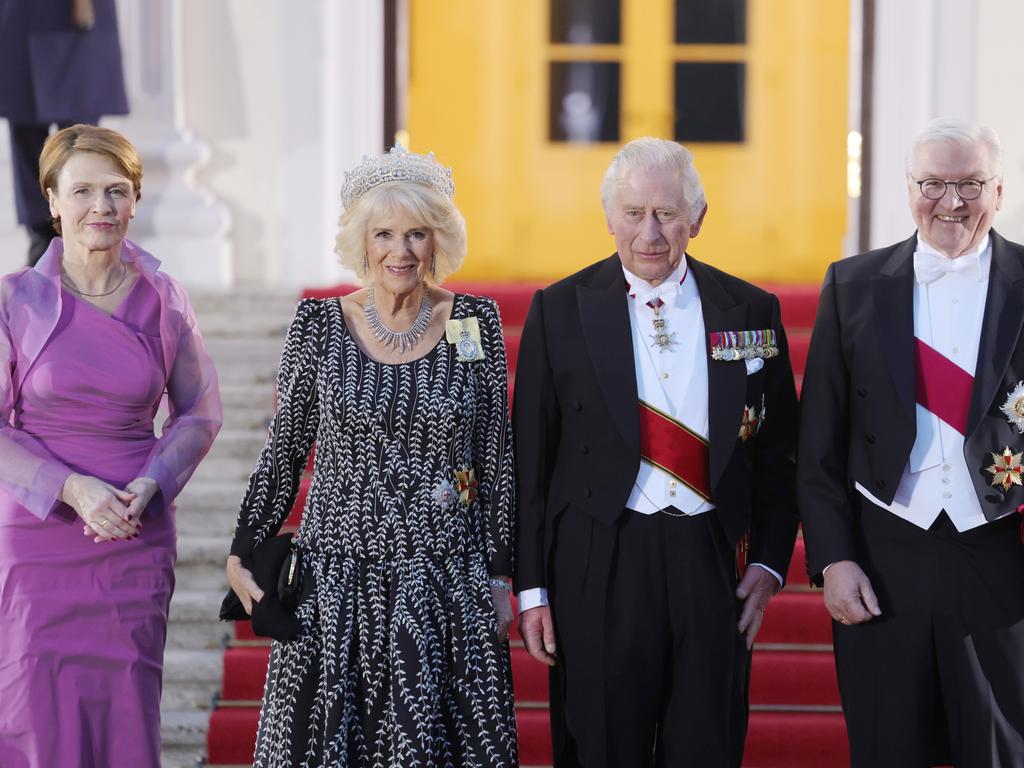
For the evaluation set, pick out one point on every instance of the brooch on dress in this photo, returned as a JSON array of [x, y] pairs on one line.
[[743, 345], [444, 495], [466, 485], [1006, 468], [1013, 408], [465, 335]]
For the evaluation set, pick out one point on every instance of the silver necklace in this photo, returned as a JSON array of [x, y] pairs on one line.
[[68, 283], [401, 340]]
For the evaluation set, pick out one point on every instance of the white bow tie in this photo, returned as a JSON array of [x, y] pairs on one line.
[[646, 293], [929, 267]]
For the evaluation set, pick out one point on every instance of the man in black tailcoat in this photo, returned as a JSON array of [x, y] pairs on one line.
[[655, 417], [910, 471]]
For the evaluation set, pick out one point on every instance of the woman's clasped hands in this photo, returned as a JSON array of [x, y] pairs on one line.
[[109, 513]]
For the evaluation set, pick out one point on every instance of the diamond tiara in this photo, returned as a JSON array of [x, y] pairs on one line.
[[397, 164]]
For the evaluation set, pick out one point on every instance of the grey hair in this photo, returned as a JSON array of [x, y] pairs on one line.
[[648, 154], [435, 211], [959, 132]]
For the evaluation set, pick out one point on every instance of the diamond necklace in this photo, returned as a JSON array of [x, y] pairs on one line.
[[401, 339]]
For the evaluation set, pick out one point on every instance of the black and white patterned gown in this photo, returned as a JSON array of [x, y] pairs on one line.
[[398, 662]]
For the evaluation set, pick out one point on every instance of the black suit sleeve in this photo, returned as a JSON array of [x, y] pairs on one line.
[[775, 520], [535, 418], [823, 484]]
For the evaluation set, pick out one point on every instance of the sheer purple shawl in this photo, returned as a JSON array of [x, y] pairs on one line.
[[30, 306]]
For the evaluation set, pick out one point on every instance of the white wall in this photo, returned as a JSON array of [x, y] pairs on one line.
[[288, 96], [956, 58], [260, 107], [924, 68], [998, 101]]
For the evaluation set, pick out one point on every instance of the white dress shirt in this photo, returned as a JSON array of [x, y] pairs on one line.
[[948, 314], [673, 380]]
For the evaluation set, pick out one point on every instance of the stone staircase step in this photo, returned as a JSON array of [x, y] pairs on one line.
[[238, 444], [224, 468], [244, 395], [205, 576], [192, 677], [242, 301], [202, 550], [222, 324], [262, 352], [197, 636], [202, 496], [182, 757], [179, 728], [193, 621], [244, 331]]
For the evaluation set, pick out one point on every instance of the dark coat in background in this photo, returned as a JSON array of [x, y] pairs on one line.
[[51, 72]]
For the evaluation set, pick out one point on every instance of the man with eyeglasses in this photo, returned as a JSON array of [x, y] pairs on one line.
[[909, 471]]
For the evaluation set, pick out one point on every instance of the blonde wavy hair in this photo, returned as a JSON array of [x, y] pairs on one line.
[[436, 212]]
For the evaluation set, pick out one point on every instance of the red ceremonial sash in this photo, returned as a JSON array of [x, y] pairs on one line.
[[672, 447], [943, 387]]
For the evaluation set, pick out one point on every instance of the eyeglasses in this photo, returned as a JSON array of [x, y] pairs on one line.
[[966, 189]]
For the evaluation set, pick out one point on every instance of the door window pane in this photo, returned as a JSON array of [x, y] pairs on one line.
[[582, 22], [710, 101], [584, 104], [711, 21]]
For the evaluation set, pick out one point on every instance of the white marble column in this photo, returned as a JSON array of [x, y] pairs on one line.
[[179, 222], [334, 68]]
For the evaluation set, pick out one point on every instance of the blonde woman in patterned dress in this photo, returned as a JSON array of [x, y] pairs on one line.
[[407, 532]]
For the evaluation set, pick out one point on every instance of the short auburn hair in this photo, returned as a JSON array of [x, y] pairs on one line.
[[60, 146]]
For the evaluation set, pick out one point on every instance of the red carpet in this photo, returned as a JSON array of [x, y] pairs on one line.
[[795, 720]]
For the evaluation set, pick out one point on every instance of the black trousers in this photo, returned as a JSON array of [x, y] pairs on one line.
[[652, 670], [939, 677], [27, 141]]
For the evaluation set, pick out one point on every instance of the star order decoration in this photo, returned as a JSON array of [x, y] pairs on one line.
[[1013, 408], [466, 485], [750, 423], [1006, 468]]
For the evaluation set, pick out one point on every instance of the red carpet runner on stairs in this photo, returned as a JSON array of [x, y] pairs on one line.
[[795, 720]]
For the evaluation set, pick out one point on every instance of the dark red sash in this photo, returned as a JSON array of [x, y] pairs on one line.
[[674, 448], [943, 387]]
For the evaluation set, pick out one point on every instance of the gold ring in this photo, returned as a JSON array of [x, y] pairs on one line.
[[105, 523]]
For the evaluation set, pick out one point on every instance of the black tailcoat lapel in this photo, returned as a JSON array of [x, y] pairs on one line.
[[605, 320], [894, 322], [1000, 330], [727, 380]]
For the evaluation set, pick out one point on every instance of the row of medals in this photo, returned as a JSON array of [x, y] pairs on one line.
[[663, 339]]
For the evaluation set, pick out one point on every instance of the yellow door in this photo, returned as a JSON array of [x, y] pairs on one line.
[[528, 100]]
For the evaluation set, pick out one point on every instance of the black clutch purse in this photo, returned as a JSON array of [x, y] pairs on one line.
[[276, 566]]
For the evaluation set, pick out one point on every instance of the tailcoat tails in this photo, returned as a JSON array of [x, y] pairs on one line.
[[625, 587]]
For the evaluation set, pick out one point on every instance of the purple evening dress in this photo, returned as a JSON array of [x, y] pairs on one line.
[[82, 625]]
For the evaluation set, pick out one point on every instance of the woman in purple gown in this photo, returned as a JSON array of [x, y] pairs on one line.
[[91, 339]]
